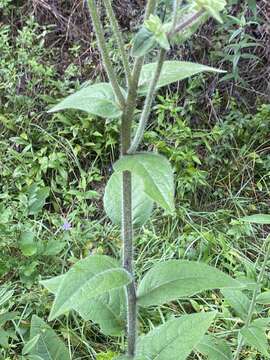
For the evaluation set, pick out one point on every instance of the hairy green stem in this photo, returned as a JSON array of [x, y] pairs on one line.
[[119, 39], [148, 103], [176, 6], [254, 298], [104, 52]]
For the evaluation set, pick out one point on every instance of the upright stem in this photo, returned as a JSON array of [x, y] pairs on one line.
[[254, 298], [104, 52], [119, 39]]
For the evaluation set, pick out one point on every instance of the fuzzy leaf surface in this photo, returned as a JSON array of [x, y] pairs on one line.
[[175, 339], [88, 279], [49, 346], [156, 173], [97, 99], [214, 349], [174, 279], [172, 71], [142, 205]]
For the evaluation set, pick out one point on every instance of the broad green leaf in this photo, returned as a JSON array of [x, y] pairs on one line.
[[27, 243], [97, 99], [144, 41], [156, 174], [87, 279], [256, 337], [107, 310], [37, 198], [175, 279], [30, 344], [175, 339], [172, 71], [142, 205], [264, 298], [263, 219], [261, 323], [49, 346], [238, 301], [214, 348]]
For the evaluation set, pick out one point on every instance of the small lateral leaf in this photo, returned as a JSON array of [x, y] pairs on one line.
[[256, 337], [107, 310], [264, 298], [263, 219], [175, 339], [97, 99], [174, 279], [48, 346], [156, 173], [87, 279], [172, 71], [142, 205], [238, 301], [214, 348], [144, 41]]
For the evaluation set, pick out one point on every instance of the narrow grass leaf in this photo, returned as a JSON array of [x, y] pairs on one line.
[[175, 339], [263, 219], [175, 279]]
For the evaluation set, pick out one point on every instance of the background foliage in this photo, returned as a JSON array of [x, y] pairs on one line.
[[214, 130]]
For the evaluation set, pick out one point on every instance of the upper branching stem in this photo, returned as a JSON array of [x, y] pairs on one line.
[[176, 6], [150, 95], [104, 52], [119, 39]]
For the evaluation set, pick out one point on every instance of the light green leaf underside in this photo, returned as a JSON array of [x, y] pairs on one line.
[[238, 301], [264, 298], [49, 346], [175, 339], [107, 310], [255, 336], [97, 99], [174, 279], [172, 71], [142, 205], [214, 349], [156, 174], [263, 219], [87, 279]]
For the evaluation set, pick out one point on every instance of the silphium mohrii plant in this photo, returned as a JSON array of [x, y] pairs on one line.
[[101, 288]]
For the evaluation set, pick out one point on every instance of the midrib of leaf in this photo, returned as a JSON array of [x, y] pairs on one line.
[[159, 287], [43, 340]]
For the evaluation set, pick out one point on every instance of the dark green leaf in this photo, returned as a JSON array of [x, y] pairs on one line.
[[156, 173], [175, 279], [97, 99], [27, 243], [37, 198], [142, 205], [175, 339]]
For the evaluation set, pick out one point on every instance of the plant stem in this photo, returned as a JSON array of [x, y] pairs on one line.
[[183, 25], [119, 39], [254, 298], [176, 6], [148, 103], [104, 52]]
